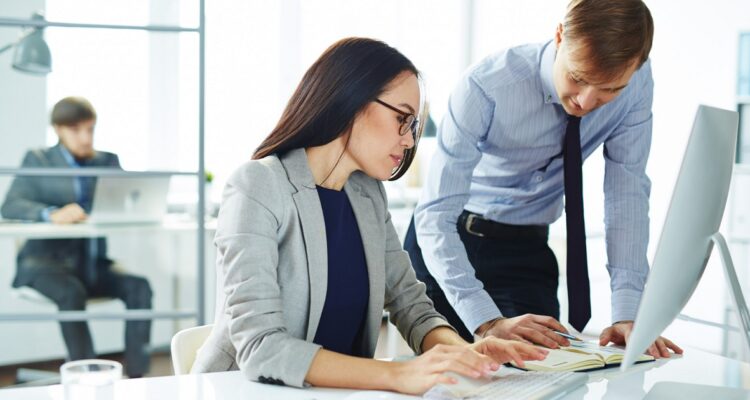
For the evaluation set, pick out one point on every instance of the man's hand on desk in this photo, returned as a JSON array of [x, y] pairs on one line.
[[619, 333], [69, 214], [528, 328]]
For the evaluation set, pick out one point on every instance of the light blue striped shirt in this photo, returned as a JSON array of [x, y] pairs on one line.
[[499, 154]]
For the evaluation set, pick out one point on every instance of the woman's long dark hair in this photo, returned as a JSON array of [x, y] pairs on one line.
[[339, 85]]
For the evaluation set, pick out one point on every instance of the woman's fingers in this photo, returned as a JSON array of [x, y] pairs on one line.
[[480, 362], [509, 350], [449, 365], [468, 360], [492, 352], [529, 352], [444, 379], [513, 355]]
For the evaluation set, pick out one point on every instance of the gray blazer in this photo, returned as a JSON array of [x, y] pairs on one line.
[[29, 195], [271, 246]]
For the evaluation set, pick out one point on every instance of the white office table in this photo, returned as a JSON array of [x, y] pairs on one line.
[[41, 230], [695, 367]]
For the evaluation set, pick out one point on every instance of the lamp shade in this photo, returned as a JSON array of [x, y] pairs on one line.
[[32, 54]]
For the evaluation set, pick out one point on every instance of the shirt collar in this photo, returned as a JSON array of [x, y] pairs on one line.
[[67, 156], [545, 73]]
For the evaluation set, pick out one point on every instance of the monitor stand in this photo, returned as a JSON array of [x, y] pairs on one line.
[[734, 283]]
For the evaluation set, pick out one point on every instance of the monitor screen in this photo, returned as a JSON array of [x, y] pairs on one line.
[[694, 216]]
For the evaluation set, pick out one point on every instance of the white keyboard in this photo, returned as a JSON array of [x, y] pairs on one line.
[[510, 383]]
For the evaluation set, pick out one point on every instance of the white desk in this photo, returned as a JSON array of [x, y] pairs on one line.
[[695, 367], [171, 223]]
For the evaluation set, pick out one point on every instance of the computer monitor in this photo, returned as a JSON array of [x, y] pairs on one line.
[[690, 230]]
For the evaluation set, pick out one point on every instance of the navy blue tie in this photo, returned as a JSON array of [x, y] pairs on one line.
[[579, 294], [91, 248]]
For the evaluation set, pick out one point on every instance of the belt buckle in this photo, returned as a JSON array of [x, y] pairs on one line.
[[469, 221]]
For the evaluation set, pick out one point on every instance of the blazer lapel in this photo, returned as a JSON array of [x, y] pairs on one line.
[[64, 186], [373, 241], [313, 231]]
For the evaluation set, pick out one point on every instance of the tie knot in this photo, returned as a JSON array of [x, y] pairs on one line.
[[572, 118]]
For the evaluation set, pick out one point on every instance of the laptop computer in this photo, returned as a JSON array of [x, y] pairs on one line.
[[120, 200]]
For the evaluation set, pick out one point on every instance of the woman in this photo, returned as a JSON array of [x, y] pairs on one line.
[[307, 250]]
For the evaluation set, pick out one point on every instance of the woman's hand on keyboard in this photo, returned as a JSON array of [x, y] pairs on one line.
[[475, 360], [421, 373]]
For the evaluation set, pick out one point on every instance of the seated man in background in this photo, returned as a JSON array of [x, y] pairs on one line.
[[69, 271]]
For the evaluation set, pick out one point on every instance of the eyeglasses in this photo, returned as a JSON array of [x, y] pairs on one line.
[[409, 122]]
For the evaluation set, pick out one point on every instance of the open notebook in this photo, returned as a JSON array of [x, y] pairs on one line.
[[581, 356]]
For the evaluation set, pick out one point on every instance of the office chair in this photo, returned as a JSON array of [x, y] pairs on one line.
[[185, 345]]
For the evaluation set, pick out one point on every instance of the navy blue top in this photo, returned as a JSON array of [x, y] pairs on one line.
[[348, 293]]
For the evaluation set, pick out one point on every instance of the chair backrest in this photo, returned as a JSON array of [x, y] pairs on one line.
[[185, 345]]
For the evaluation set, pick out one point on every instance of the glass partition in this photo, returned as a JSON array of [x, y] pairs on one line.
[[130, 13], [140, 84], [104, 228], [132, 257]]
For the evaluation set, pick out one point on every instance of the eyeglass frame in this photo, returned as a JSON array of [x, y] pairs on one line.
[[414, 128]]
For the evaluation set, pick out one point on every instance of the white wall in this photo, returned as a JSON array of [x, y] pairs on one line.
[[258, 51], [22, 96]]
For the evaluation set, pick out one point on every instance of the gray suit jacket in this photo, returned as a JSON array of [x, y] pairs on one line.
[[29, 195], [271, 245]]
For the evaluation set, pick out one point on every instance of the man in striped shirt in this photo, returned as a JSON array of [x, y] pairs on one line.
[[511, 145]]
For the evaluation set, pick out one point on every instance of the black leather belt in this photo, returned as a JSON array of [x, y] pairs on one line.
[[476, 225]]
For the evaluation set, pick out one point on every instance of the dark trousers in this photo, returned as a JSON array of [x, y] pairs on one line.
[[68, 291], [520, 274]]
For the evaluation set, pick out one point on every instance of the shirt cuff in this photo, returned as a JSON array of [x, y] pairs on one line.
[[476, 309], [625, 304], [44, 214]]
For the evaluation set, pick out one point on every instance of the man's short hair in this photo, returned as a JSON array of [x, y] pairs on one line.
[[72, 111], [609, 34]]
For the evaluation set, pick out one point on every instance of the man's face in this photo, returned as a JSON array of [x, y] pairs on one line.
[[580, 93], [78, 139]]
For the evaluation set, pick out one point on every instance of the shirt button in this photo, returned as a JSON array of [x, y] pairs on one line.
[[539, 179]]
